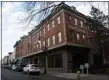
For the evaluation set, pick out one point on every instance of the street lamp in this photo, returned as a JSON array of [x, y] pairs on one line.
[[44, 50]]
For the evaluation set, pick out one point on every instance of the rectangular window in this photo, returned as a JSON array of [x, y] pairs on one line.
[[40, 33], [83, 37], [43, 43], [71, 35], [81, 24], [48, 41], [53, 39], [40, 44], [37, 46], [37, 35], [53, 24], [59, 37], [78, 36], [44, 30], [58, 20], [70, 18], [55, 61], [48, 27], [76, 21]]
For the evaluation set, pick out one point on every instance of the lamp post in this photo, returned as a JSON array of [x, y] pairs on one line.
[[44, 50]]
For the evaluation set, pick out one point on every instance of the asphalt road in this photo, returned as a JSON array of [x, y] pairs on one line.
[[12, 75]]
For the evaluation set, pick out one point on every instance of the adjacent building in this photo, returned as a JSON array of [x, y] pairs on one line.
[[11, 57], [62, 40], [5, 61]]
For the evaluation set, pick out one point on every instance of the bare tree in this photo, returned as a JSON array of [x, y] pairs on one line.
[[37, 11]]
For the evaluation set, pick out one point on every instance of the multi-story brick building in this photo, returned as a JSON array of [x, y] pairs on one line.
[[62, 38]]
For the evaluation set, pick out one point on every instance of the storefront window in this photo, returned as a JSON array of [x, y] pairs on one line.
[[55, 61]]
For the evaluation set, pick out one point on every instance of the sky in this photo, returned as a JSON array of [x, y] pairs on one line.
[[13, 28]]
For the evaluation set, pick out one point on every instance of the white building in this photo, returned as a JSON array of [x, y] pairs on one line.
[[11, 56], [5, 61]]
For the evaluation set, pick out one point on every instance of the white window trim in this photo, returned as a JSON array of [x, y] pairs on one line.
[[40, 44], [81, 22], [70, 18], [37, 35], [59, 37], [44, 30], [40, 32], [37, 45], [76, 22], [43, 43], [53, 39], [53, 24], [78, 36], [83, 36], [58, 19], [48, 41]]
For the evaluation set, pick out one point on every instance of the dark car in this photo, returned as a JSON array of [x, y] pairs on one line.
[[19, 67]]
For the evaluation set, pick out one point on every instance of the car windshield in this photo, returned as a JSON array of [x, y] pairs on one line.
[[35, 66]]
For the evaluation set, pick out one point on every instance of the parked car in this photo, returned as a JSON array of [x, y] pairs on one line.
[[14, 67], [9, 66], [19, 68], [31, 68]]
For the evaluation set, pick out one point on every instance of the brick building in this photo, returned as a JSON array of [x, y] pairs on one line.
[[61, 40]]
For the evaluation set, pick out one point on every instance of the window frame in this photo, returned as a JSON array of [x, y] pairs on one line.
[[59, 37], [76, 21], [81, 22], [48, 27], [48, 42], [53, 25], [53, 39], [58, 19], [78, 36]]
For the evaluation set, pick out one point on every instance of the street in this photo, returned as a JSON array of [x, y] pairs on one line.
[[12, 75]]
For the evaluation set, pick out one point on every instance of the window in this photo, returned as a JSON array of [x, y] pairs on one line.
[[37, 45], [53, 23], [78, 36], [37, 35], [55, 61], [40, 44], [83, 37], [43, 43], [58, 20], [48, 27], [71, 35], [70, 18], [59, 37], [76, 22], [53, 39], [44, 30], [81, 24], [40, 33], [48, 41]]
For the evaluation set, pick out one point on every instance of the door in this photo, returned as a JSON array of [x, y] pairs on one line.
[[36, 60]]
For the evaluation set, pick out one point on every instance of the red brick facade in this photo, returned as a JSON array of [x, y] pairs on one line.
[[29, 44]]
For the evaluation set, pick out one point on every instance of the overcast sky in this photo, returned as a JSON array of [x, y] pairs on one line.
[[13, 12]]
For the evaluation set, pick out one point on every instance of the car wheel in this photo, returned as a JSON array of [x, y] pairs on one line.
[[16, 69], [38, 73], [23, 71]]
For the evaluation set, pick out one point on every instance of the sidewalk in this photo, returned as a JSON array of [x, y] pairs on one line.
[[83, 76]]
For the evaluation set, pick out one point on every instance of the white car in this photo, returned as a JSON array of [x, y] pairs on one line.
[[31, 68], [14, 67]]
